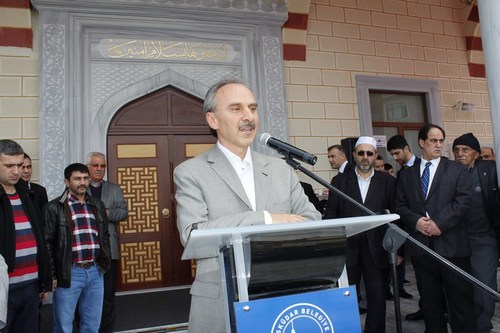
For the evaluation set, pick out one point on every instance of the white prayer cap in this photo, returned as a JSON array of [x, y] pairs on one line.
[[366, 140]]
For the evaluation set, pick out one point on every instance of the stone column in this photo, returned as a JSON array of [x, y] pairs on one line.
[[489, 16]]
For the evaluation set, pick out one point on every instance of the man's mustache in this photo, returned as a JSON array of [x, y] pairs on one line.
[[246, 124]]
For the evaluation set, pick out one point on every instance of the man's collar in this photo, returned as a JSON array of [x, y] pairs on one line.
[[96, 184], [232, 156]]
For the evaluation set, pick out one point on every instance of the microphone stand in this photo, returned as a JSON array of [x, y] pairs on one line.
[[393, 239]]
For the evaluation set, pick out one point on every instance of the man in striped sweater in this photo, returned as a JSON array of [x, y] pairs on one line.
[[21, 243]]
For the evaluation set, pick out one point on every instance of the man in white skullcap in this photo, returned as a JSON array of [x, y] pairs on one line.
[[365, 255]]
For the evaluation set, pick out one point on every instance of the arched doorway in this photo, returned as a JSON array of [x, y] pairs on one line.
[[147, 139]]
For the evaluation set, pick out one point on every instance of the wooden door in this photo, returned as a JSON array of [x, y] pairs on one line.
[[147, 139]]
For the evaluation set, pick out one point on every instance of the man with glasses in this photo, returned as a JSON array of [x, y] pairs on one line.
[[433, 197], [480, 221], [116, 209], [365, 255]]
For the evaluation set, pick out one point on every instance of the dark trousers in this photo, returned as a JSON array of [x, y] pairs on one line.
[[433, 279], [375, 281], [108, 306], [22, 309]]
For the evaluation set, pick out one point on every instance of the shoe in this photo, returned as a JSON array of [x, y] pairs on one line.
[[404, 294], [362, 311], [415, 316]]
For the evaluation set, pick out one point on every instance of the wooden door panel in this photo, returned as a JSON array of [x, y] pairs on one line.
[[146, 140]]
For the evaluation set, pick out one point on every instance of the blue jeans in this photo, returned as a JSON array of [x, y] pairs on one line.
[[87, 289]]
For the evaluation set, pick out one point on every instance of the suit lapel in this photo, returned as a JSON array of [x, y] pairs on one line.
[[262, 179], [415, 171], [437, 177], [223, 168]]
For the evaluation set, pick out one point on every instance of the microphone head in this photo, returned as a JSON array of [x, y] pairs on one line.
[[263, 138]]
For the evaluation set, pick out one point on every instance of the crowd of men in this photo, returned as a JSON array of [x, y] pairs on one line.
[[69, 245], [60, 246]]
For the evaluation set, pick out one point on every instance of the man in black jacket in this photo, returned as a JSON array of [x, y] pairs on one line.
[[76, 232], [365, 255], [21, 243], [432, 199], [38, 193], [481, 220]]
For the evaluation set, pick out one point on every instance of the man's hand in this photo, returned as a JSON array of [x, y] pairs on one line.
[[43, 296], [428, 227], [422, 225], [286, 218]]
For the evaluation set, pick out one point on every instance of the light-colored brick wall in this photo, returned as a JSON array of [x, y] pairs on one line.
[[422, 39], [19, 73]]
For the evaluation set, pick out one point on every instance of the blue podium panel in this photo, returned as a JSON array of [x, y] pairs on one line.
[[324, 311]]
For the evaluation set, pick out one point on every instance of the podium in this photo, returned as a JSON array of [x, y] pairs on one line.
[[282, 277]]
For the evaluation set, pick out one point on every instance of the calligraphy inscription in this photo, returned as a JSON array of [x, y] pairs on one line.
[[159, 49]]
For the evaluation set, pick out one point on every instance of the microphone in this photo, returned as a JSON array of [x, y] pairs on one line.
[[287, 149]]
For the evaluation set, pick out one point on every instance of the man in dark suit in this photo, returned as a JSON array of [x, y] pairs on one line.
[[338, 159], [432, 199], [399, 149], [365, 255], [480, 222], [37, 193]]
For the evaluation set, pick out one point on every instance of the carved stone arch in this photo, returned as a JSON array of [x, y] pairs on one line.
[[113, 104]]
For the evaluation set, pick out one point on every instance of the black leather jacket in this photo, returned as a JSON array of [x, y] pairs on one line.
[[58, 227], [8, 234]]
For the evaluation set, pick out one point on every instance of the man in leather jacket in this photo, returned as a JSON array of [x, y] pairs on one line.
[[21, 243], [76, 233]]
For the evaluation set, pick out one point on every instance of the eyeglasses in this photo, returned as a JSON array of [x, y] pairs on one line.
[[96, 165], [363, 153]]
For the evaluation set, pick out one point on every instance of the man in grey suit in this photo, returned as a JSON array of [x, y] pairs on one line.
[[116, 209], [231, 185]]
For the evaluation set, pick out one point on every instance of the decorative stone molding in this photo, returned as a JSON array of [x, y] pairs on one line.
[[83, 83]]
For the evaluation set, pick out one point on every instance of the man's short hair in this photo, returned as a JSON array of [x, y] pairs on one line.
[[10, 148], [388, 167], [75, 167], [423, 134], [26, 156], [338, 147], [96, 154], [397, 142], [209, 103]]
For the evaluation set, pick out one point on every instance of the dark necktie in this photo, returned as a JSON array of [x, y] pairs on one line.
[[425, 179]]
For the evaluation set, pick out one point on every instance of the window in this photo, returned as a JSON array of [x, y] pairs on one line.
[[390, 106]]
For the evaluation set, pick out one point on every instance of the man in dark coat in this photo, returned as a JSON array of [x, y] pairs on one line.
[[365, 255], [481, 221], [21, 243], [432, 199]]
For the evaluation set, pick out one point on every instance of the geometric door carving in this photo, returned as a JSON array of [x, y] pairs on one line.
[[140, 262]]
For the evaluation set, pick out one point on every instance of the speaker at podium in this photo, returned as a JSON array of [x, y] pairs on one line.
[[285, 278]]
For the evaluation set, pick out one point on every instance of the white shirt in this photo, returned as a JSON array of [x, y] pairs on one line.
[[411, 161], [244, 170], [342, 167], [364, 183], [432, 170]]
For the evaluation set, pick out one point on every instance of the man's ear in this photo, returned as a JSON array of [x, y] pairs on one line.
[[421, 143], [212, 120]]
